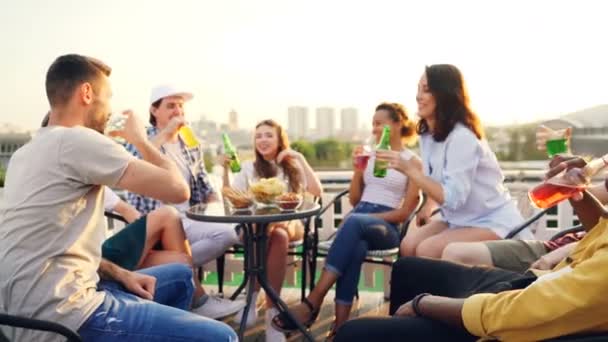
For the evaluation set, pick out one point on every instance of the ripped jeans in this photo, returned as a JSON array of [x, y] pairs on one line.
[[125, 317], [359, 233]]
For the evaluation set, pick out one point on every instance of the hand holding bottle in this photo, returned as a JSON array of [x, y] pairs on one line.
[[230, 151], [380, 166], [173, 126], [561, 163], [395, 160], [566, 180], [224, 160]]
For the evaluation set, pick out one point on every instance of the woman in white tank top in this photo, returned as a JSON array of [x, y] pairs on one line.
[[380, 205]]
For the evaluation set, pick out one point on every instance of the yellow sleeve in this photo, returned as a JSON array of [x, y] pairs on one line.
[[573, 302]]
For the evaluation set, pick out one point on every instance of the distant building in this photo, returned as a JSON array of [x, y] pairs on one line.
[[204, 127], [589, 129], [297, 122], [233, 120], [326, 122], [349, 120]]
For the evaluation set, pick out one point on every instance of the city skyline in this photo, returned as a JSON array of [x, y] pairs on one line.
[[262, 57], [298, 123]]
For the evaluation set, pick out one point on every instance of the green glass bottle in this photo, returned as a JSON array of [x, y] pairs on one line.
[[230, 151], [380, 167]]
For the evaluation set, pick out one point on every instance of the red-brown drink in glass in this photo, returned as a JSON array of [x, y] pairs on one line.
[[361, 161], [546, 195]]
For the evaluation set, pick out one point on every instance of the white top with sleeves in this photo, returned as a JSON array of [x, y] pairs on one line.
[[472, 182], [388, 191], [243, 179]]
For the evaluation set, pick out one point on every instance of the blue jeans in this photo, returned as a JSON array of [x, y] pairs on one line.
[[125, 317], [359, 233]]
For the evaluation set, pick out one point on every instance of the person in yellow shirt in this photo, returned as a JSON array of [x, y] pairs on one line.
[[434, 300]]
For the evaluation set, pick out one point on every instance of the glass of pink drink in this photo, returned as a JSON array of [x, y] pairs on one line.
[[366, 152], [361, 160]]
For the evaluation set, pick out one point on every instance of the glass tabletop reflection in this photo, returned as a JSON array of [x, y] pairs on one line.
[[222, 212]]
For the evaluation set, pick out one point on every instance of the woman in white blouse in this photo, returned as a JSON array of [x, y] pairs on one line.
[[460, 173], [274, 158]]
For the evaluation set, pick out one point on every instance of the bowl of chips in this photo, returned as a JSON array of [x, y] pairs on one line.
[[266, 190], [239, 200], [289, 201]]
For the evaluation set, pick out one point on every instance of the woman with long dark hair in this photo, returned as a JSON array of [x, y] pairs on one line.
[[460, 173]]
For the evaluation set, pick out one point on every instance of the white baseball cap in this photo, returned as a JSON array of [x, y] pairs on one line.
[[166, 90]]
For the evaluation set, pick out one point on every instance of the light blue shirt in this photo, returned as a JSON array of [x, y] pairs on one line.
[[472, 182]]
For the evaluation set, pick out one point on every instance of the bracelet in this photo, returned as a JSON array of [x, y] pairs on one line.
[[416, 302]]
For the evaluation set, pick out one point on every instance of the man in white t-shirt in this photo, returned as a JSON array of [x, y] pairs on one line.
[[52, 225], [207, 240]]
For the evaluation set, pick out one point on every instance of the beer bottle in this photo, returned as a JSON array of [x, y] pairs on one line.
[[380, 167], [230, 151]]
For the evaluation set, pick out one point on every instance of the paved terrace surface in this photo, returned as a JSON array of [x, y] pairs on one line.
[[369, 304]]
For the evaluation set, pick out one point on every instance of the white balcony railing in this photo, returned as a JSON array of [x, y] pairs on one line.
[[333, 182]]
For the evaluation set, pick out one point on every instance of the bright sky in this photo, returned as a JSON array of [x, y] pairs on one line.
[[523, 60]]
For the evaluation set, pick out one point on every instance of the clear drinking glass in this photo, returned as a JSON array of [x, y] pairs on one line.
[[565, 184], [368, 147], [553, 191], [116, 122], [553, 141]]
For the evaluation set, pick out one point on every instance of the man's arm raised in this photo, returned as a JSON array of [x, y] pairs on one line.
[[155, 176]]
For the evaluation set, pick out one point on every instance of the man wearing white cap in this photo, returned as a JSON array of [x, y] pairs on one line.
[[208, 240]]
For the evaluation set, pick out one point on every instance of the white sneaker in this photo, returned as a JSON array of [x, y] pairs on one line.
[[252, 315], [273, 335], [216, 308]]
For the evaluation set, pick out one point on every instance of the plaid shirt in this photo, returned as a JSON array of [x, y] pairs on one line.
[[200, 187]]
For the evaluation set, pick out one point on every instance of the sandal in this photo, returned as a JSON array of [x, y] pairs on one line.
[[283, 323]]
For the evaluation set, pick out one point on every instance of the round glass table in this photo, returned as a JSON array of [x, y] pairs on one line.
[[255, 222]]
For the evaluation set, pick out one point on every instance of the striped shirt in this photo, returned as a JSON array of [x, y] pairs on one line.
[[200, 186]]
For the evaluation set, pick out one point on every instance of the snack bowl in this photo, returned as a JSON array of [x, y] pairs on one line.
[[289, 201], [264, 198], [242, 209], [266, 190], [238, 200]]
